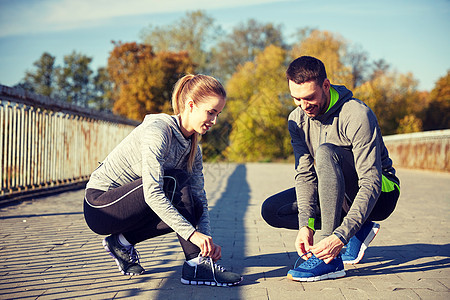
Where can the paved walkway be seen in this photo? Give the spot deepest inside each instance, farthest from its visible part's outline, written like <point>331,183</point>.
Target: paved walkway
<point>47,251</point>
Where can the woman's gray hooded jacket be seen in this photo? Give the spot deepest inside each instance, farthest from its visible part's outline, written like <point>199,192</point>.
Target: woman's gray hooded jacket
<point>157,144</point>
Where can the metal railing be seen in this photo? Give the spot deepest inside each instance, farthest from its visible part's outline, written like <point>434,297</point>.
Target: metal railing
<point>47,144</point>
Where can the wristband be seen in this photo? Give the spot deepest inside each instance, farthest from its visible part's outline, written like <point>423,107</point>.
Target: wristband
<point>341,238</point>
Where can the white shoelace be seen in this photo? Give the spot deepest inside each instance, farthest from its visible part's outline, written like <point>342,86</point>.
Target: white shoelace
<point>133,253</point>
<point>213,265</point>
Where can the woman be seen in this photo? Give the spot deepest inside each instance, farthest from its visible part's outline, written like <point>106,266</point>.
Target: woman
<point>152,184</point>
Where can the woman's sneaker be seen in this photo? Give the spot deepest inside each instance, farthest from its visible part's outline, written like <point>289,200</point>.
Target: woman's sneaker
<point>127,258</point>
<point>358,244</point>
<point>315,269</point>
<point>206,272</point>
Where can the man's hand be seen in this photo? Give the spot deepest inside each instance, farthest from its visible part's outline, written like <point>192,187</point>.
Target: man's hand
<point>304,241</point>
<point>328,248</point>
<point>206,245</point>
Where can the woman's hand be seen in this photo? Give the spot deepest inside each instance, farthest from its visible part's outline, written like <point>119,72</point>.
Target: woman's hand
<point>206,245</point>
<point>328,248</point>
<point>304,241</point>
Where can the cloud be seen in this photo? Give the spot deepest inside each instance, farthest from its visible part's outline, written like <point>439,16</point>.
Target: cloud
<point>34,16</point>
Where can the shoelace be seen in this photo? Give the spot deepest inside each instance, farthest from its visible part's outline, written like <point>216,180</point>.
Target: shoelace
<point>132,253</point>
<point>214,266</point>
<point>307,262</point>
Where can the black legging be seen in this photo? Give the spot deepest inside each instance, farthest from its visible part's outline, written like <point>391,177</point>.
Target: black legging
<point>337,180</point>
<point>281,211</point>
<point>124,210</point>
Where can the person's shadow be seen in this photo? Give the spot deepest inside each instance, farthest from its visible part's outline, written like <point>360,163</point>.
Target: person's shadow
<point>399,259</point>
<point>382,260</point>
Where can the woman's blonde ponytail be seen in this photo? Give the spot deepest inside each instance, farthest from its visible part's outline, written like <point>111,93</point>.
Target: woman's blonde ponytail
<point>198,88</point>
<point>176,98</point>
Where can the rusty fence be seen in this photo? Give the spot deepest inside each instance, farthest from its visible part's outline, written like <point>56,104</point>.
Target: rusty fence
<point>48,145</point>
<point>428,150</point>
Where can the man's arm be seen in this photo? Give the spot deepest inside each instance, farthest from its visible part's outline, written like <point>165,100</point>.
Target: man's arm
<point>305,178</point>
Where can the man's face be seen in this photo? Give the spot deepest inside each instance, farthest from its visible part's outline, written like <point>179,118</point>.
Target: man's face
<point>312,98</point>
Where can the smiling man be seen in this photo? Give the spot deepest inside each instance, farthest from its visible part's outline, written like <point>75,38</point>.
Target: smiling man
<point>344,177</point>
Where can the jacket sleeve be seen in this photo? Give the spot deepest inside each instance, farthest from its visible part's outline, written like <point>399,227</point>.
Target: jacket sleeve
<point>305,178</point>
<point>155,145</point>
<point>198,192</point>
<point>363,132</point>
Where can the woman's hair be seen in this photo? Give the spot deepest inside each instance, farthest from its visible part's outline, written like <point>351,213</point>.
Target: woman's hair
<point>198,88</point>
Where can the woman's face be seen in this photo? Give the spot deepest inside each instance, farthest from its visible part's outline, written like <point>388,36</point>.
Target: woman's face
<point>203,115</point>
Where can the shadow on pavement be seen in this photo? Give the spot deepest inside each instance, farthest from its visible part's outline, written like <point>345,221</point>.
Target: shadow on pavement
<point>227,222</point>
<point>397,259</point>
<point>382,259</point>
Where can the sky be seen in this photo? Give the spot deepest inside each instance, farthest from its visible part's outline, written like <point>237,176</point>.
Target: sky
<point>411,35</point>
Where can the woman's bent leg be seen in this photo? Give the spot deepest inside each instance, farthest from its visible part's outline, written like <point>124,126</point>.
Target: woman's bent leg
<point>124,211</point>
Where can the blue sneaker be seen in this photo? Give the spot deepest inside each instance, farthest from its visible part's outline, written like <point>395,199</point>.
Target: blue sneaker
<point>315,269</point>
<point>359,243</point>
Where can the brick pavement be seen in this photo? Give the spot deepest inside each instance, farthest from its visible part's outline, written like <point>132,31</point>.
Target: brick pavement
<point>47,251</point>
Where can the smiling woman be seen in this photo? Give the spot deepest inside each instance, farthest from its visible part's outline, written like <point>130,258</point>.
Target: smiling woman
<point>198,109</point>
<point>152,184</point>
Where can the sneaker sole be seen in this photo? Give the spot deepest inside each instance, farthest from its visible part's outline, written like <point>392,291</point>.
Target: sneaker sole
<point>117,262</point>
<point>373,232</point>
<point>332,275</point>
<point>210,283</point>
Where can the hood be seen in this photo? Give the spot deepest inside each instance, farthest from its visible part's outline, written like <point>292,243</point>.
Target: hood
<point>344,95</point>
<point>173,122</point>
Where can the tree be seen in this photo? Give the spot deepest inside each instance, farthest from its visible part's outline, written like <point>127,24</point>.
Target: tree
<point>331,49</point>
<point>142,80</point>
<point>379,67</point>
<point>395,101</point>
<point>102,91</point>
<point>409,123</point>
<point>259,105</point>
<point>358,60</point>
<point>193,34</point>
<point>73,79</point>
<point>243,44</point>
<point>437,114</point>
<point>41,80</point>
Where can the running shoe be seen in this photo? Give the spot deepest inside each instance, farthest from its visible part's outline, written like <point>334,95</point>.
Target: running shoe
<point>315,269</point>
<point>127,258</point>
<point>358,244</point>
<point>207,272</point>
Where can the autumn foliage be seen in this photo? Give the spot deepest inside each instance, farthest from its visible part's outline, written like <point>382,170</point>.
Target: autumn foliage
<point>143,80</point>
<point>250,61</point>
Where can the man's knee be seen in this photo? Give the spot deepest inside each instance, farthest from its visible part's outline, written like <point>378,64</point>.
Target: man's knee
<point>326,151</point>
<point>268,209</point>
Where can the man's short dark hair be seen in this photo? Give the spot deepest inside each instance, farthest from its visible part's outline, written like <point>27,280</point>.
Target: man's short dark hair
<point>306,68</point>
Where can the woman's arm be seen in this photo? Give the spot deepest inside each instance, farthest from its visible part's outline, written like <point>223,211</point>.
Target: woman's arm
<point>154,148</point>
<point>198,191</point>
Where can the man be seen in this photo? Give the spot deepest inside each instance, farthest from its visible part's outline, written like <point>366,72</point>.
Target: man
<point>344,177</point>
